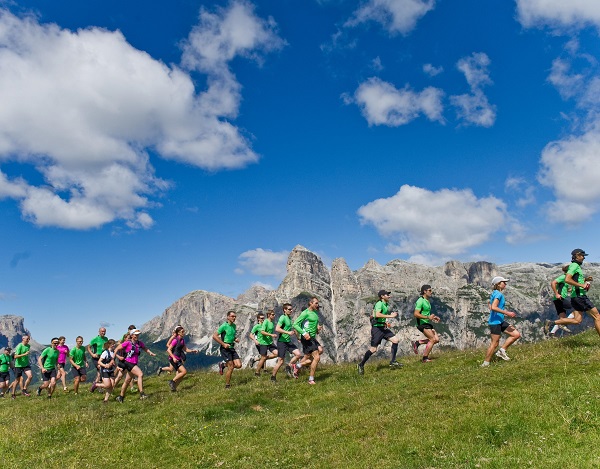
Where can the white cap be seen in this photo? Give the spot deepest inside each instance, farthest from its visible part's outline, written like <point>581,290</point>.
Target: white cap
<point>135,332</point>
<point>496,280</point>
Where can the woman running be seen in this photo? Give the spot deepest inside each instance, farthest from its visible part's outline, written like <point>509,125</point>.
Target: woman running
<point>129,352</point>
<point>424,317</point>
<point>107,368</point>
<point>63,353</point>
<point>177,350</point>
<point>497,323</point>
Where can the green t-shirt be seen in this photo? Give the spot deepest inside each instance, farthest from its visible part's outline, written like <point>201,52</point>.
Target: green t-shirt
<point>22,362</point>
<point>424,308</point>
<point>577,274</point>
<point>380,307</point>
<point>49,358</point>
<point>97,344</point>
<point>77,354</point>
<point>4,362</point>
<point>286,324</point>
<point>561,287</point>
<point>227,332</point>
<point>308,321</point>
<point>268,327</point>
<point>255,330</point>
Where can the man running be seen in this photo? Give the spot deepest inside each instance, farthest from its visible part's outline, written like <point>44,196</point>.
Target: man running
<point>579,299</point>
<point>265,338</point>
<point>225,337</point>
<point>78,364</point>
<point>307,326</point>
<point>424,318</point>
<point>380,331</point>
<point>23,373</point>
<point>5,360</point>
<point>95,348</point>
<point>562,302</point>
<point>260,317</point>
<point>47,362</point>
<point>285,344</point>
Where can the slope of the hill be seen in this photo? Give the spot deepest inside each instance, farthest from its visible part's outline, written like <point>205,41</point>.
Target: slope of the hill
<point>541,409</point>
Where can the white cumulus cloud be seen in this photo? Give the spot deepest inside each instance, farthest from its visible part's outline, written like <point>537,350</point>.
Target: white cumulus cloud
<point>264,262</point>
<point>559,13</point>
<point>396,16</point>
<point>435,223</point>
<point>84,107</point>
<point>381,103</point>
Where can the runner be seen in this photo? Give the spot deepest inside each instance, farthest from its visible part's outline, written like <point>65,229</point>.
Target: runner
<point>497,323</point>
<point>47,362</point>
<point>5,361</point>
<point>380,331</point>
<point>121,364</point>
<point>285,344</point>
<point>129,352</point>
<point>78,364</point>
<point>424,317</point>
<point>63,353</point>
<point>265,337</point>
<point>260,317</point>
<point>177,350</point>
<point>307,326</point>
<point>22,367</point>
<point>107,368</point>
<point>225,337</point>
<point>562,302</point>
<point>168,369</point>
<point>579,299</point>
<point>95,348</point>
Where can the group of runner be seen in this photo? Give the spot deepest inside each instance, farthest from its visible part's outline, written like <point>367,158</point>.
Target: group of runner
<point>115,360</point>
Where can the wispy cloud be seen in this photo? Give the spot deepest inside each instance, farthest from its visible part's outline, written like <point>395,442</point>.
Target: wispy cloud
<point>395,16</point>
<point>559,13</point>
<point>264,262</point>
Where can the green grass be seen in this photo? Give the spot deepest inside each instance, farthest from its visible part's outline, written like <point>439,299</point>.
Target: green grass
<point>541,409</point>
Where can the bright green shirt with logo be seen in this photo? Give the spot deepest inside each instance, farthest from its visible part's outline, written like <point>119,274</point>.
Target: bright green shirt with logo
<point>4,362</point>
<point>307,322</point>
<point>380,307</point>
<point>424,307</point>
<point>268,327</point>
<point>577,275</point>
<point>284,323</point>
<point>22,362</point>
<point>77,354</point>
<point>49,358</point>
<point>97,344</point>
<point>561,286</point>
<point>227,332</point>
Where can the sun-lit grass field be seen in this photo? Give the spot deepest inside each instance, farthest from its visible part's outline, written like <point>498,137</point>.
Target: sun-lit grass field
<point>541,410</point>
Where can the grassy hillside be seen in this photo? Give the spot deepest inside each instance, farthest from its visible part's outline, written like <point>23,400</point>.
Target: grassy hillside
<point>541,409</point>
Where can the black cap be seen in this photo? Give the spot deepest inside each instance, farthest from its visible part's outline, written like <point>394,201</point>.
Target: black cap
<point>383,292</point>
<point>574,252</point>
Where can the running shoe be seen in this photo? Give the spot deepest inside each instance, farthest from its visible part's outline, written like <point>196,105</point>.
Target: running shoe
<point>502,354</point>
<point>396,364</point>
<point>13,396</point>
<point>484,364</point>
<point>251,362</point>
<point>25,393</point>
<point>273,379</point>
<point>295,371</point>
<point>94,386</point>
<point>49,397</point>
<point>415,346</point>
<point>159,371</point>
<point>288,370</point>
<point>228,386</point>
<point>564,328</point>
<point>547,325</point>
<point>143,396</point>
<point>257,374</point>
<point>173,386</point>
<point>39,391</point>
<point>65,390</point>
<point>1,394</point>
<point>426,360</point>
<point>361,369</point>
<point>221,367</point>
<point>120,399</point>
<point>311,381</point>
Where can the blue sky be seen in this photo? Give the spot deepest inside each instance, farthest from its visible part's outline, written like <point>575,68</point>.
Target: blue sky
<point>148,149</point>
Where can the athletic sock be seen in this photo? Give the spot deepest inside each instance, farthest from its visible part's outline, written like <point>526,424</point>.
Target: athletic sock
<point>554,329</point>
<point>366,357</point>
<point>571,316</point>
<point>394,351</point>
